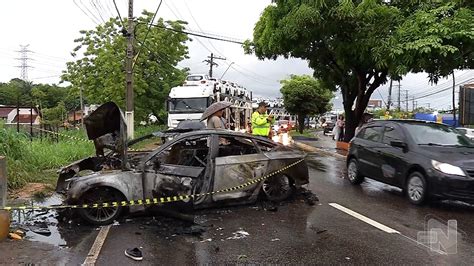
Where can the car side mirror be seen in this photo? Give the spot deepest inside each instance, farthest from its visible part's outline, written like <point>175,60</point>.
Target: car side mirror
<point>399,144</point>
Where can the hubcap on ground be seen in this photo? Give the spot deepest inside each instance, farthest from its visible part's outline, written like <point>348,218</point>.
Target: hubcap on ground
<point>415,188</point>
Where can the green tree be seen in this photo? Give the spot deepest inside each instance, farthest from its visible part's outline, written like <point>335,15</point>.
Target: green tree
<point>358,44</point>
<point>304,95</point>
<point>100,71</point>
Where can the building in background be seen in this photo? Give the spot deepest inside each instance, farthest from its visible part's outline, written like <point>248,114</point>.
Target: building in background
<point>374,104</point>
<point>22,115</point>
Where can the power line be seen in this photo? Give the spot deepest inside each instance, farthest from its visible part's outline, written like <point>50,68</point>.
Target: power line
<point>85,13</point>
<point>146,34</point>
<point>90,12</point>
<point>444,89</point>
<point>118,12</point>
<point>98,10</point>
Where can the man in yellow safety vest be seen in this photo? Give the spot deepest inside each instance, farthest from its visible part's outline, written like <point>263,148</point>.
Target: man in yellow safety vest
<point>261,121</point>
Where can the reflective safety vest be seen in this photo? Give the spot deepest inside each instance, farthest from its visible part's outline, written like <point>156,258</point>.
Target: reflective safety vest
<point>260,124</point>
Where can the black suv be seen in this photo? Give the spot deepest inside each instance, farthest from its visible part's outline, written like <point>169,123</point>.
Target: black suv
<point>425,159</point>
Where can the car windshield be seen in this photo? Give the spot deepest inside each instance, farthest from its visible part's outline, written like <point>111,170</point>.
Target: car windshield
<point>437,135</point>
<point>194,78</point>
<point>188,104</point>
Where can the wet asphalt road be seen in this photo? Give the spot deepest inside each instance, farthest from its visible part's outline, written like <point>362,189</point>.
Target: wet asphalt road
<point>296,233</point>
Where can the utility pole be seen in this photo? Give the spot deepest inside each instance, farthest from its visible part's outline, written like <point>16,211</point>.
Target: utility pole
<point>406,100</point>
<point>389,101</point>
<point>454,100</point>
<point>211,62</point>
<point>399,96</point>
<point>82,107</point>
<point>129,73</point>
<point>413,103</point>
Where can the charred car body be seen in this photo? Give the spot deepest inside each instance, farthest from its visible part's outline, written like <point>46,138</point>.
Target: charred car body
<point>197,162</point>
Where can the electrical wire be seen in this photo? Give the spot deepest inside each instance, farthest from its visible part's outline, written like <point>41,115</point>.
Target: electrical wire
<point>85,13</point>
<point>89,11</point>
<point>98,10</point>
<point>146,34</point>
<point>118,12</point>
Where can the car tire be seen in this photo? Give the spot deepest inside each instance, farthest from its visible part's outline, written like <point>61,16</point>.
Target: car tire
<point>416,188</point>
<point>353,173</point>
<point>277,188</point>
<point>100,215</point>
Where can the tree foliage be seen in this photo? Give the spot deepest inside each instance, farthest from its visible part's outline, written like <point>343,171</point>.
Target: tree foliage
<point>43,95</point>
<point>304,95</point>
<point>358,45</point>
<point>101,73</point>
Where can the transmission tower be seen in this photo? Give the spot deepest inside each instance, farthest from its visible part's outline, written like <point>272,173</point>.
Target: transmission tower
<point>24,61</point>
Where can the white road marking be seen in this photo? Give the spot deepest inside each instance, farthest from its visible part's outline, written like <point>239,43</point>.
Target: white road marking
<point>364,219</point>
<point>97,246</point>
<point>381,226</point>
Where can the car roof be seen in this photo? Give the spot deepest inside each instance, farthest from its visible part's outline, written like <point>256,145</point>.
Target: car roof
<point>403,121</point>
<point>221,132</point>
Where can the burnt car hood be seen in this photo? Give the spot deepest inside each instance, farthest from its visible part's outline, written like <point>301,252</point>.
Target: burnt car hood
<point>107,120</point>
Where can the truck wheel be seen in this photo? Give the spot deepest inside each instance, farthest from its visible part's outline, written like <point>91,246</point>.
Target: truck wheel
<point>101,215</point>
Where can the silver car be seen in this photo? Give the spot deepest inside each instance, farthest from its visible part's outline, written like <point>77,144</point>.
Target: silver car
<point>197,163</point>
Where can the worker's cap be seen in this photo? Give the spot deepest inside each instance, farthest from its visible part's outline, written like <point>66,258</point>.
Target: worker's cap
<point>263,103</point>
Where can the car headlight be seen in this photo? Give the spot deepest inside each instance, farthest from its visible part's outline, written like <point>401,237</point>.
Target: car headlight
<point>447,168</point>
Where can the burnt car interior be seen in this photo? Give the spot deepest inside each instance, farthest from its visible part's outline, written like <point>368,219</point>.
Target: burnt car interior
<point>231,146</point>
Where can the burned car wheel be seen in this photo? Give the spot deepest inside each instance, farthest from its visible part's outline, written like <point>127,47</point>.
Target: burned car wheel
<point>277,188</point>
<point>101,215</point>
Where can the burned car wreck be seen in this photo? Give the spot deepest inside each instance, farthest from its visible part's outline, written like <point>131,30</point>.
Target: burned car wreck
<point>197,162</point>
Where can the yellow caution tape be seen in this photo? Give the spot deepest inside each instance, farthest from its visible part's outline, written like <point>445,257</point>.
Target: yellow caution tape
<point>152,201</point>
<point>72,137</point>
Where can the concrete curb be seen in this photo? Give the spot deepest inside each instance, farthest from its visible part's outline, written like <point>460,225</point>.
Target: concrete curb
<point>309,148</point>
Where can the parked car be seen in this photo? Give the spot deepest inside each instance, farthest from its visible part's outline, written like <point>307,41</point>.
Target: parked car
<point>328,127</point>
<point>198,80</point>
<point>196,162</point>
<point>427,160</point>
<point>469,132</point>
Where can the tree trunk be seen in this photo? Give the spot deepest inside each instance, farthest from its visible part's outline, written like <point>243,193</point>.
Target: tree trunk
<point>301,118</point>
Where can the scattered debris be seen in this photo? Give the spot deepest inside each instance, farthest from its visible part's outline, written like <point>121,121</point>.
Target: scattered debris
<point>275,239</point>
<point>307,196</point>
<point>321,231</point>
<point>269,206</point>
<point>20,233</point>
<point>14,236</point>
<point>40,229</point>
<point>347,258</point>
<point>242,257</point>
<point>134,254</point>
<point>206,240</point>
<point>116,223</point>
<point>238,235</point>
<point>192,230</point>
<point>217,249</point>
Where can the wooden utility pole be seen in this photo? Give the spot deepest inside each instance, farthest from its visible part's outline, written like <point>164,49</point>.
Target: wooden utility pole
<point>389,102</point>
<point>129,73</point>
<point>406,99</point>
<point>211,62</point>
<point>82,107</point>
<point>454,100</point>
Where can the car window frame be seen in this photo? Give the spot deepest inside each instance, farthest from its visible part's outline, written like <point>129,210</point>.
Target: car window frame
<point>381,126</point>
<point>400,130</point>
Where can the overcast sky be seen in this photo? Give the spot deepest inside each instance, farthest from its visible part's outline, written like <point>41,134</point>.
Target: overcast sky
<point>50,26</point>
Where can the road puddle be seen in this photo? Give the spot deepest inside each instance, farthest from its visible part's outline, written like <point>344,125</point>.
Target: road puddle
<point>47,226</point>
